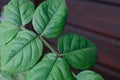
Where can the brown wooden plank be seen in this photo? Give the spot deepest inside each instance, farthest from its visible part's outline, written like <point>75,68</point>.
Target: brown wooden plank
<point>109,59</point>
<point>106,72</point>
<point>111,1</point>
<point>96,17</point>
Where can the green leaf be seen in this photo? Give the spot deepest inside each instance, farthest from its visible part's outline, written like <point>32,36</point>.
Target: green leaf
<point>6,76</point>
<point>21,53</point>
<point>50,68</point>
<point>7,32</point>
<point>19,12</point>
<point>89,75</point>
<point>21,76</point>
<point>79,52</point>
<point>50,17</point>
<point>1,48</point>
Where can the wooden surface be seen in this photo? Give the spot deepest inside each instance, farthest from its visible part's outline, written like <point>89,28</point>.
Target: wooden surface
<point>99,21</point>
<point>109,1</point>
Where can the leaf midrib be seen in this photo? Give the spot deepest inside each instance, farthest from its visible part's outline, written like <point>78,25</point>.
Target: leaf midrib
<point>66,53</point>
<point>20,12</point>
<point>50,21</point>
<point>52,68</point>
<point>20,50</point>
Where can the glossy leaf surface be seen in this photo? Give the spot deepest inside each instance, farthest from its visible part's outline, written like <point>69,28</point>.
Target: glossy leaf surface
<point>19,12</point>
<point>21,53</point>
<point>79,52</point>
<point>50,68</point>
<point>50,17</point>
<point>7,32</point>
<point>21,76</point>
<point>89,75</point>
<point>6,76</point>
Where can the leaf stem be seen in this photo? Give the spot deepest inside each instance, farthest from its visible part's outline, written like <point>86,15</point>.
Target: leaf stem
<point>22,28</point>
<point>74,75</point>
<point>49,46</point>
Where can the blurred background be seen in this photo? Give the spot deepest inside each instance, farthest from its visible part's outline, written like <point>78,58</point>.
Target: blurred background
<point>99,21</point>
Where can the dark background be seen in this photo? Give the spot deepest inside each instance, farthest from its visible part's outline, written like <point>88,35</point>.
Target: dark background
<point>98,20</point>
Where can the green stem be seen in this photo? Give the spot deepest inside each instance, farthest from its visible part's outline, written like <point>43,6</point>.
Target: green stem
<point>22,28</point>
<point>74,74</point>
<point>49,46</point>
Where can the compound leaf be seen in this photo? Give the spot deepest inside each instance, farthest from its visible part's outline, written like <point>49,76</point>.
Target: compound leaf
<point>21,53</point>
<point>19,12</point>
<point>89,75</point>
<point>50,17</point>
<point>79,52</point>
<point>7,32</point>
<point>50,68</point>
